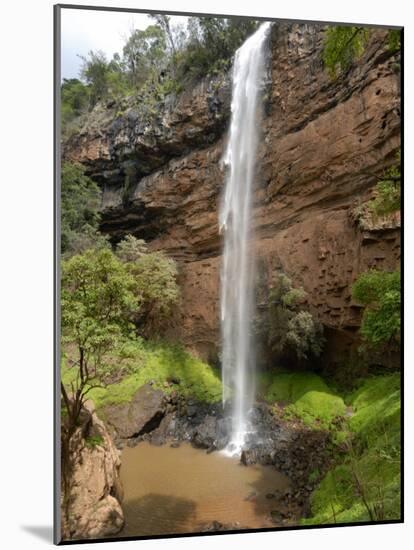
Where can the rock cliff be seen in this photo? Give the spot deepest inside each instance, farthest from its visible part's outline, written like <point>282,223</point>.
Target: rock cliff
<point>92,509</point>
<point>324,146</point>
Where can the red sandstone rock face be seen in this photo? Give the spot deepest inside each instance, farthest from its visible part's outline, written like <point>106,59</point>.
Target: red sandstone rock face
<point>325,144</point>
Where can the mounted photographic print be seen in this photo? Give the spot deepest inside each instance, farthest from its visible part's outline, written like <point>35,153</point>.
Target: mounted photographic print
<point>228,293</point>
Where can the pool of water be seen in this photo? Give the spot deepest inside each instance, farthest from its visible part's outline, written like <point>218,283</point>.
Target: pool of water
<point>181,490</point>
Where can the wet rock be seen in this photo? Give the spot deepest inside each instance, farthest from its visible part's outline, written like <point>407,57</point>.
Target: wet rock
<point>205,434</point>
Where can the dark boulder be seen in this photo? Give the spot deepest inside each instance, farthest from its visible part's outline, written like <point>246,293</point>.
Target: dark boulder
<point>140,415</point>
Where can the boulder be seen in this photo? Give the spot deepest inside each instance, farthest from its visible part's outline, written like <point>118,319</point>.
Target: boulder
<point>140,415</point>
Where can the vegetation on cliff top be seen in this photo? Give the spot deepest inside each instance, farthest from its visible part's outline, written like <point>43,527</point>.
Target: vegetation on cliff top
<point>155,62</point>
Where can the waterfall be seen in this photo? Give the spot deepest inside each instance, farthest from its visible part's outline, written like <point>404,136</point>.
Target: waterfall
<point>237,304</point>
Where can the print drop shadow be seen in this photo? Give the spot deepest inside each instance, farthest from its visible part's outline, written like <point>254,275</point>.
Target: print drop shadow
<point>42,532</point>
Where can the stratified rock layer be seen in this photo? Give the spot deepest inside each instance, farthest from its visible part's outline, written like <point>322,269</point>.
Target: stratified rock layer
<point>324,146</point>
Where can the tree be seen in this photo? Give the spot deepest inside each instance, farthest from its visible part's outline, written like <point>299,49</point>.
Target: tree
<point>163,22</point>
<point>212,41</point>
<point>95,72</point>
<point>144,54</point>
<point>80,202</point>
<point>97,303</point>
<point>380,293</point>
<point>155,279</point>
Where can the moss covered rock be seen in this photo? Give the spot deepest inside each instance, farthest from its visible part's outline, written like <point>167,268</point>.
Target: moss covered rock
<point>307,397</point>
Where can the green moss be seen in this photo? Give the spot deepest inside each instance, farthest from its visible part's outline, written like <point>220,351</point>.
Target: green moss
<point>308,398</point>
<point>168,367</point>
<point>371,466</point>
<point>377,410</point>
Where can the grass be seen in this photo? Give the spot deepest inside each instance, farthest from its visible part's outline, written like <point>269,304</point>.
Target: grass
<point>307,397</point>
<point>166,366</point>
<point>365,484</point>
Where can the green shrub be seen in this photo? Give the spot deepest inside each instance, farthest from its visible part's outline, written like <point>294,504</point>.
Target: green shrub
<point>388,191</point>
<point>342,45</point>
<point>380,293</point>
<point>285,325</point>
<point>74,99</point>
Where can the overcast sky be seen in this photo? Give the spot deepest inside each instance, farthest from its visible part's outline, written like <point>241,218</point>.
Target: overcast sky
<point>85,30</point>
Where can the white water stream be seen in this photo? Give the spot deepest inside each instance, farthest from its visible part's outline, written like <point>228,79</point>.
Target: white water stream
<point>237,303</point>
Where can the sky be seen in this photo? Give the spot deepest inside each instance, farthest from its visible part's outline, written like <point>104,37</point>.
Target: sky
<point>85,30</point>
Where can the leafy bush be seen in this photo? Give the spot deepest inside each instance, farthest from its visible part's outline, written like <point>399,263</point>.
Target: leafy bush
<point>380,293</point>
<point>286,325</point>
<point>80,201</point>
<point>388,191</point>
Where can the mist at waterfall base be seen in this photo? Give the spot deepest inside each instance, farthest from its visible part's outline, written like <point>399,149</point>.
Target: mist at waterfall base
<point>238,264</point>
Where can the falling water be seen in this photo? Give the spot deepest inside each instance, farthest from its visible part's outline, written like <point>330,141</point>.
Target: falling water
<point>235,223</point>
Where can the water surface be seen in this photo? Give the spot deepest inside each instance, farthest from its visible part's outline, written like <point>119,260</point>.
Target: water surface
<point>182,490</point>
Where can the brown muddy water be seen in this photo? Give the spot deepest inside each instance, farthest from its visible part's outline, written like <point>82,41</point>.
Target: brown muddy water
<point>183,490</point>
